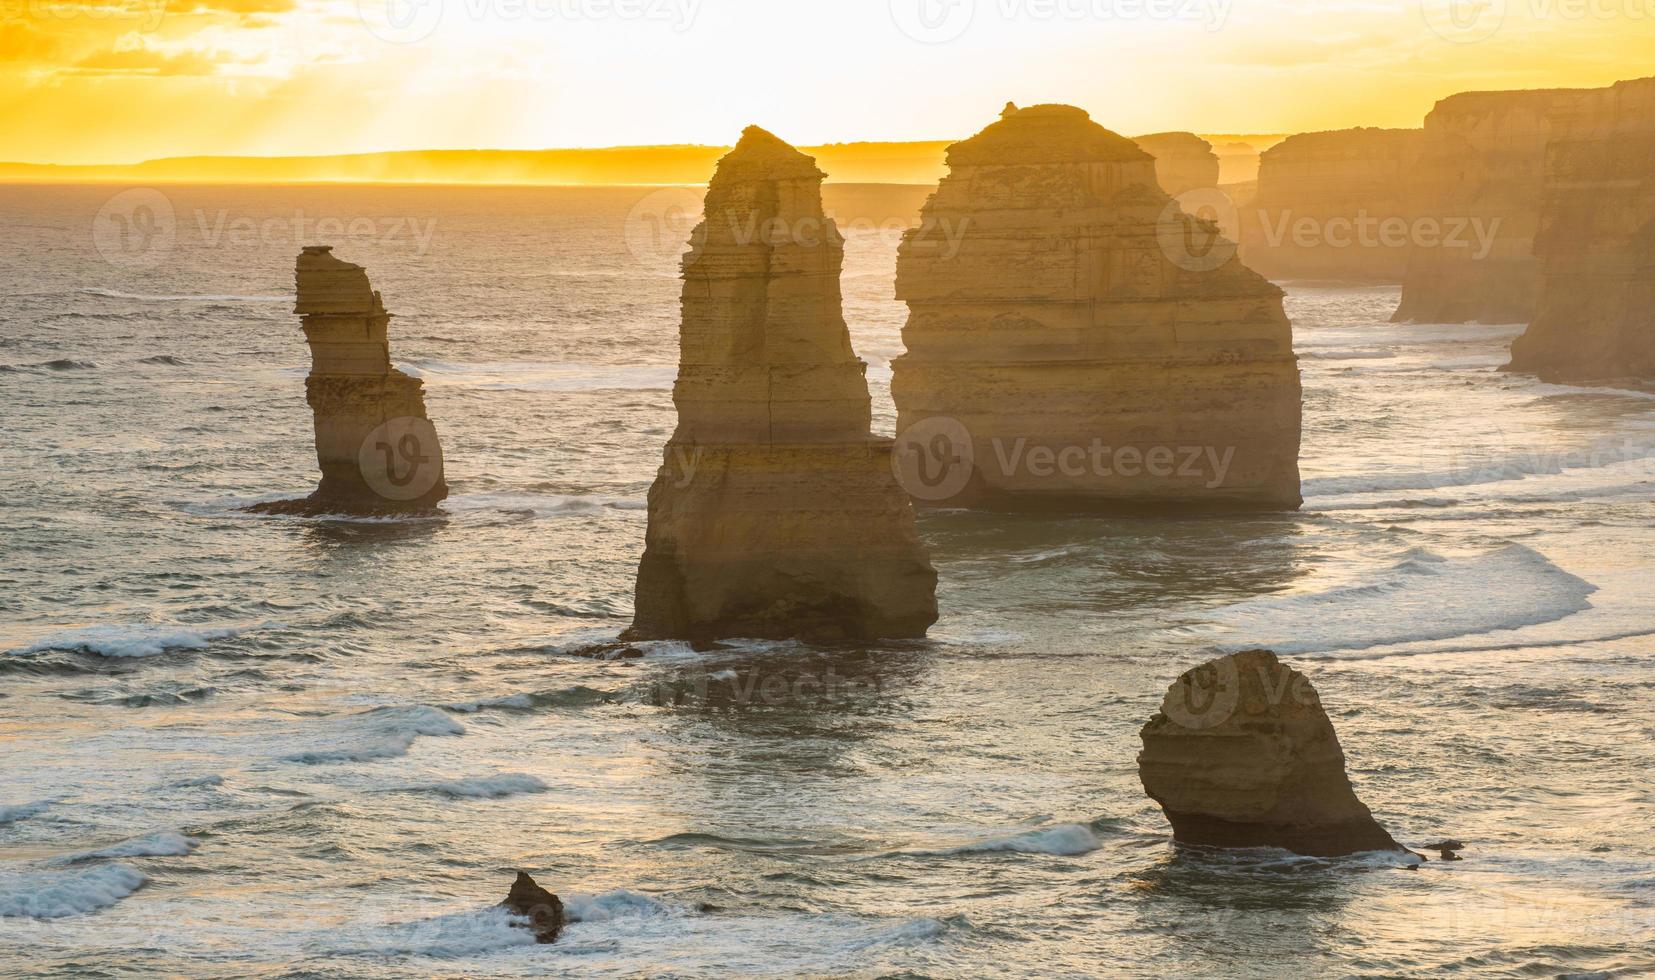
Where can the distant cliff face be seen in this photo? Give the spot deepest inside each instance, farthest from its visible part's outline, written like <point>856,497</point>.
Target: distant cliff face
<point>775,513</point>
<point>377,450</point>
<point>1479,169</point>
<point>1183,161</point>
<point>1333,205</point>
<point>1596,242</point>
<point>1076,342</point>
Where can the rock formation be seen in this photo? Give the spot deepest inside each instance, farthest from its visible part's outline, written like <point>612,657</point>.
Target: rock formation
<point>1479,176</point>
<point>1596,315</point>
<point>1241,754</point>
<point>1332,205</point>
<point>378,451</point>
<point>1183,161</point>
<point>776,514</point>
<point>1076,342</point>
<point>543,909</point>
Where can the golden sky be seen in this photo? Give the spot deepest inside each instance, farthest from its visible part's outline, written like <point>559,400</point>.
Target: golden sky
<point>109,81</point>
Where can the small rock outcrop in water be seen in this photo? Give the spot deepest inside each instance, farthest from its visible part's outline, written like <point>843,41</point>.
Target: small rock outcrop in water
<point>1076,342</point>
<point>378,451</point>
<point>1241,754</point>
<point>1478,176</point>
<point>1596,243</point>
<point>1183,161</point>
<point>775,514</point>
<point>543,909</point>
<point>1333,205</point>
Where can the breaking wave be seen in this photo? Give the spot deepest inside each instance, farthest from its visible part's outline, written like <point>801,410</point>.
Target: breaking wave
<point>135,639</point>
<point>60,894</point>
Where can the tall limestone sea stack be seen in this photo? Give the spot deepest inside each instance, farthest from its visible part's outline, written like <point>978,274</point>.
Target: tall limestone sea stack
<point>1183,161</point>
<point>377,450</point>
<point>776,514</point>
<point>1478,175</point>
<point>1596,243</point>
<point>1241,754</point>
<point>1332,205</point>
<point>1075,342</point>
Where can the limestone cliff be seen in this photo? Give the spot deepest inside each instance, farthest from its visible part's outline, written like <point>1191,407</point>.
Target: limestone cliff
<point>1183,161</point>
<point>1241,754</point>
<point>776,514</point>
<point>1332,205</point>
<point>1479,175</point>
<point>1596,244</point>
<point>1076,342</point>
<point>377,450</point>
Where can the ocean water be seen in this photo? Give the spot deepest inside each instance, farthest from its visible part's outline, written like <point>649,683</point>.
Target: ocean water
<point>274,747</point>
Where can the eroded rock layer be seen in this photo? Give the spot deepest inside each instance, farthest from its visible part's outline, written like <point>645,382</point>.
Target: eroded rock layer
<point>1595,319</point>
<point>1478,176</point>
<point>1183,161</point>
<point>377,450</point>
<point>1241,754</point>
<point>1333,205</point>
<point>1076,342</point>
<point>776,514</point>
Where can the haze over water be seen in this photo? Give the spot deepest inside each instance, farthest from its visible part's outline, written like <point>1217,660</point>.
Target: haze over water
<point>239,746</point>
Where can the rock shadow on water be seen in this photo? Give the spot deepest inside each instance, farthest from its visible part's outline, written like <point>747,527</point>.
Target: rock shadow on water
<point>1124,561</point>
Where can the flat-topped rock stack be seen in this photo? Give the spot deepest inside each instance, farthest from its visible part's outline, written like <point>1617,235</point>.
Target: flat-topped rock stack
<point>1183,161</point>
<point>776,513</point>
<point>1596,244</point>
<point>1242,754</point>
<point>1323,204</point>
<point>1478,175</point>
<point>377,450</point>
<point>1081,344</point>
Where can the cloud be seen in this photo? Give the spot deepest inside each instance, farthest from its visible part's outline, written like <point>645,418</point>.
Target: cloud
<point>147,61</point>
<point>242,7</point>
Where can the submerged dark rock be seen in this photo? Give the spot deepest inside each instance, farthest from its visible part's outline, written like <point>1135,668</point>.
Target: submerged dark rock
<point>543,909</point>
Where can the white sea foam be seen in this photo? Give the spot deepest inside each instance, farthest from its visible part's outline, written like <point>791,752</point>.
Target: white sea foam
<point>616,904</point>
<point>1325,491</point>
<point>1068,840</point>
<point>1423,597</point>
<point>487,787</point>
<point>543,504</point>
<point>456,935</point>
<point>382,733</point>
<point>59,894</point>
<point>210,298</point>
<point>135,639</point>
<point>163,844</point>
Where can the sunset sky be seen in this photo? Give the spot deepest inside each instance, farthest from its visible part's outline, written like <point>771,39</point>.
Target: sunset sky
<point>108,81</point>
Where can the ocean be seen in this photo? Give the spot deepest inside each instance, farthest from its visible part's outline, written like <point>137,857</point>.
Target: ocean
<point>239,746</point>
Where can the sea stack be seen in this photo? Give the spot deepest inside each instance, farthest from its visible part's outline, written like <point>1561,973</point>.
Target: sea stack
<point>1333,205</point>
<point>544,910</point>
<point>1596,244</point>
<point>776,514</point>
<point>377,450</point>
<point>1241,754</point>
<point>1478,176</point>
<point>1075,342</point>
<point>1183,161</point>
